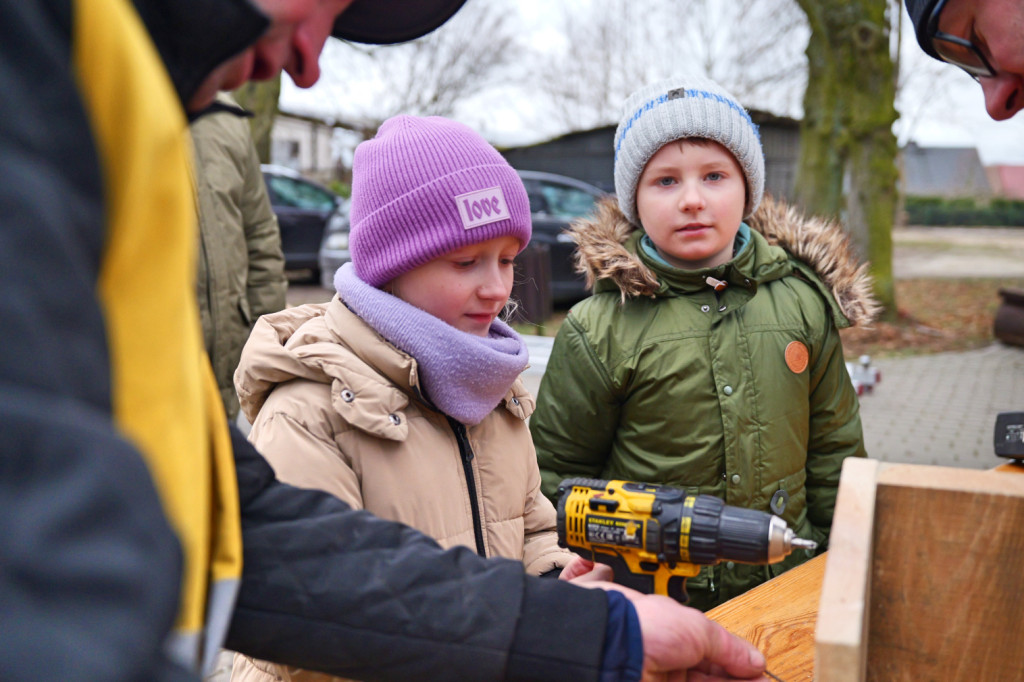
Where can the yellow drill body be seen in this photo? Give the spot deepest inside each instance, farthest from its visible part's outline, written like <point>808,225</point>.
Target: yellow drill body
<point>654,537</point>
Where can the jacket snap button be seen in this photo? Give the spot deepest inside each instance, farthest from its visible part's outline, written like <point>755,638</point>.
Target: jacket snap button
<point>721,308</point>
<point>730,565</point>
<point>727,390</point>
<point>395,419</point>
<point>779,501</point>
<point>705,308</point>
<point>736,478</point>
<point>515,401</point>
<point>348,396</point>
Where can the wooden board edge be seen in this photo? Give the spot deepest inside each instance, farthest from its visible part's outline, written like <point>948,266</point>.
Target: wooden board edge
<point>840,637</point>
<point>991,482</point>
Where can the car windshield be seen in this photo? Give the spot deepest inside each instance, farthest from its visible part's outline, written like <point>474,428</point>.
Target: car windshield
<point>566,202</point>
<point>299,194</point>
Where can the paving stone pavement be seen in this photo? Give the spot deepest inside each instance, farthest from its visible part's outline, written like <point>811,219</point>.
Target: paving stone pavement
<point>941,409</point>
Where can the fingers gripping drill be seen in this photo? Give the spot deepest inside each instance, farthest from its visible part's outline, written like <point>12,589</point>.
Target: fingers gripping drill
<point>654,537</point>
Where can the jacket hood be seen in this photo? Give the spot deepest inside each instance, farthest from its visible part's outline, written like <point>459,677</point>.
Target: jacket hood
<point>818,246</point>
<point>298,343</point>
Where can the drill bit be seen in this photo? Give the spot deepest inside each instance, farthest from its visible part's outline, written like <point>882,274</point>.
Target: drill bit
<point>803,544</point>
<point>773,676</point>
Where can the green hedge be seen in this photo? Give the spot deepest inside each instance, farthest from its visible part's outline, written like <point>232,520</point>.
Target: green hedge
<point>966,212</point>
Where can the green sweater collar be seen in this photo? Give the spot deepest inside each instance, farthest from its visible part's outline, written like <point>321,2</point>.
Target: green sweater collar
<point>754,261</point>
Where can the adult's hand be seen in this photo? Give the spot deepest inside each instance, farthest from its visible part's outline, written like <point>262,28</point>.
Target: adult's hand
<point>681,643</point>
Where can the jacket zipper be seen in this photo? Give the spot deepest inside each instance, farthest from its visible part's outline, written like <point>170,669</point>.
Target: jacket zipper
<point>467,466</point>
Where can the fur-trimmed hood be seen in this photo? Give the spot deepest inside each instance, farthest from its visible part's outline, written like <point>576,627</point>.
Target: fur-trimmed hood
<point>602,254</point>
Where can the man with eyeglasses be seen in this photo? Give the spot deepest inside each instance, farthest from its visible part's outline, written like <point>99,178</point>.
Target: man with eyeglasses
<point>985,38</point>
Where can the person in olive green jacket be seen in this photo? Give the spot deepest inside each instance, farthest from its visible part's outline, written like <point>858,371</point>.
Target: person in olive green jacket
<point>708,356</point>
<point>241,267</point>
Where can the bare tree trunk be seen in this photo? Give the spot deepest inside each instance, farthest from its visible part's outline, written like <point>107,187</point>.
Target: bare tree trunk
<point>261,99</point>
<point>848,152</point>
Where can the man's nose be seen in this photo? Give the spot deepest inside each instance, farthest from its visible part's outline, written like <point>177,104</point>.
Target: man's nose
<point>303,63</point>
<point>1004,95</point>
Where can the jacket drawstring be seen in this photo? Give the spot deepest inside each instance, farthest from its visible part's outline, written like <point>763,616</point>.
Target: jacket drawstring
<point>716,284</point>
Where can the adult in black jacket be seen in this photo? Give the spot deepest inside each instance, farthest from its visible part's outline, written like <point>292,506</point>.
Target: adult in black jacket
<point>127,505</point>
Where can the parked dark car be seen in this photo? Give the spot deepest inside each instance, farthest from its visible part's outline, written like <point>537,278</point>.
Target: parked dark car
<point>304,209</point>
<point>334,248</point>
<point>555,200</point>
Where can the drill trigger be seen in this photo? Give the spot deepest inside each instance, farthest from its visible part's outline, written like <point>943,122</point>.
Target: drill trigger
<point>677,589</point>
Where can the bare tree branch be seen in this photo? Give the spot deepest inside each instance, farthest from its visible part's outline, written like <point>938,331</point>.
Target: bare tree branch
<point>754,48</point>
<point>431,76</point>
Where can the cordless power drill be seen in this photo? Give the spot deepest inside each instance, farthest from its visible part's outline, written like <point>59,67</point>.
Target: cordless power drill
<point>654,536</point>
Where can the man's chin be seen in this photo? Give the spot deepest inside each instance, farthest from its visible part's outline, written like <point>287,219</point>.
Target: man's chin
<point>230,75</point>
<point>200,100</point>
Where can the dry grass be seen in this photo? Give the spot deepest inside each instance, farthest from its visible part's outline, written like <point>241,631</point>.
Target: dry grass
<point>935,315</point>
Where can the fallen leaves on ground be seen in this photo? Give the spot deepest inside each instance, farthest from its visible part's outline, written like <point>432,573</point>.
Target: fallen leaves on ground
<point>934,316</point>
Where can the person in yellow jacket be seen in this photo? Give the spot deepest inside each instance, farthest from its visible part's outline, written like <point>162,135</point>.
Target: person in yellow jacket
<point>137,532</point>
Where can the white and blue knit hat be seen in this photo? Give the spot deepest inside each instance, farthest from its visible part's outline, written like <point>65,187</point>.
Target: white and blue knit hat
<point>680,107</point>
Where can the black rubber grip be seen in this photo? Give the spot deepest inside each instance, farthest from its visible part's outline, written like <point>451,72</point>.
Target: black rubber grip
<point>560,514</point>
<point>722,533</point>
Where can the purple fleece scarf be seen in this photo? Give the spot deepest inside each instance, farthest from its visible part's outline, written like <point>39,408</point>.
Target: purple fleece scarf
<point>464,375</point>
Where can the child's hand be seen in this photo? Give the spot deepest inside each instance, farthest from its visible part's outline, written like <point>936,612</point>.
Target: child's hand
<point>581,570</point>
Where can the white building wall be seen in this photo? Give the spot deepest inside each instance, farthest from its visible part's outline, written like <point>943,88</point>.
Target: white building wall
<point>302,145</point>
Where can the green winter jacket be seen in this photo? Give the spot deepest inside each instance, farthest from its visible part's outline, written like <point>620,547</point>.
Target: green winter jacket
<point>739,393</point>
<point>241,267</point>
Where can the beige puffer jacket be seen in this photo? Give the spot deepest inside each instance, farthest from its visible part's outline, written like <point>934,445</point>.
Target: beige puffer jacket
<point>335,407</point>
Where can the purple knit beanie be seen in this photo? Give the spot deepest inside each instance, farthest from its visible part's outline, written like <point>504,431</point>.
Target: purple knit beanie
<point>423,187</point>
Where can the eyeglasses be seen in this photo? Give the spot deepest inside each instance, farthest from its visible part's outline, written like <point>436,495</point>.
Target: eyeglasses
<point>956,50</point>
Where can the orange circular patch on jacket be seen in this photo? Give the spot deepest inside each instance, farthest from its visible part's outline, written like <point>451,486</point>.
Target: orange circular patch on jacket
<point>796,357</point>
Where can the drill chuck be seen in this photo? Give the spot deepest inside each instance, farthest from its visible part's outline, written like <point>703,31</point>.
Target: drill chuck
<point>720,532</point>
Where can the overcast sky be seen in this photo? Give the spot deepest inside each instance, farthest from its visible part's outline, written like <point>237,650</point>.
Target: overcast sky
<point>967,125</point>
<point>940,105</point>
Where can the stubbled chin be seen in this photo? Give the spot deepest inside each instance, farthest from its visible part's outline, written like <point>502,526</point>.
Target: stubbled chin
<point>228,76</point>
<point>239,71</point>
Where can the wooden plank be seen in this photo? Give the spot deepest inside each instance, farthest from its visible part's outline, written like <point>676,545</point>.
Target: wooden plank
<point>779,617</point>
<point>992,481</point>
<point>841,635</point>
<point>946,601</point>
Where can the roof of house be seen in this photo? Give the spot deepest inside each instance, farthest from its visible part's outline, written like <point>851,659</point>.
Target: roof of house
<point>1007,181</point>
<point>944,171</point>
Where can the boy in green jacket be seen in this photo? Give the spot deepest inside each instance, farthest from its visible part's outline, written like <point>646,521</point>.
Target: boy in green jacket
<point>709,356</point>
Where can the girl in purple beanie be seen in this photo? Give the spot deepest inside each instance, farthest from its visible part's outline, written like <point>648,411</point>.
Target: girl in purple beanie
<point>402,395</point>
